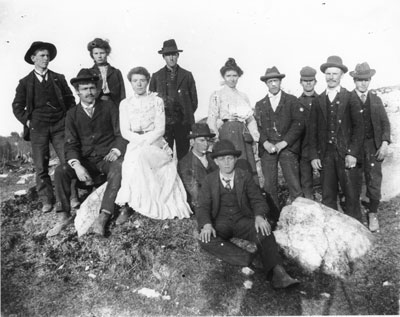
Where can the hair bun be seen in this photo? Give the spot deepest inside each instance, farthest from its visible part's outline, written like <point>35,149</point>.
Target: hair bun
<point>231,62</point>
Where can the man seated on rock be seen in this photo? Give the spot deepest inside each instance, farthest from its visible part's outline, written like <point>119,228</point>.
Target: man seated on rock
<point>231,205</point>
<point>195,165</point>
<point>93,146</point>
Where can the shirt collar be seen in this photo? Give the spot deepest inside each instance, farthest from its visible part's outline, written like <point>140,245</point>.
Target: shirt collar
<point>359,93</point>
<point>331,90</point>
<point>312,96</point>
<point>221,177</point>
<point>87,106</point>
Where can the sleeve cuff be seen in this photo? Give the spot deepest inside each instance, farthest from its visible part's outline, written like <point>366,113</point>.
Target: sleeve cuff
<point>118,152</point>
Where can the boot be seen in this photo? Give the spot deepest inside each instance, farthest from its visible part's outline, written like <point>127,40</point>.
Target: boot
<point>99,226</point>
<point>64,218</point>
<point>281,279</point>
<point>124,215</point>
<point>373,223</point>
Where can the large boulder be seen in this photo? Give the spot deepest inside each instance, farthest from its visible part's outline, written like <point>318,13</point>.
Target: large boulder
<point>318,237</point>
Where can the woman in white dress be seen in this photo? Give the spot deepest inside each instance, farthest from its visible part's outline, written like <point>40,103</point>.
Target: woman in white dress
<point>230,116</point>
<point>150,182</point>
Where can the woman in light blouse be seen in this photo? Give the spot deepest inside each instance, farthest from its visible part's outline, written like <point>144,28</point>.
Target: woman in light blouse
<point>150,182</point>
<point>230,116</point>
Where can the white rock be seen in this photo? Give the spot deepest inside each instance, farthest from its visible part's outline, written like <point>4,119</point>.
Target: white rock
<point>387,283</point>
<point>248,284</point>
<point>3,175</point>
<point>148,292</point>
<point>20,192</point>
<point>247,271</point>
<point>326,295</point>
<point>166,297</point>
<point>316,236</point>
<point>91,275</point>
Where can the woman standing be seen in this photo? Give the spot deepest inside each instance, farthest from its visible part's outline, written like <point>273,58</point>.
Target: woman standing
<point>230,116</point>
<point>150,182</point>
<point>111,84</point>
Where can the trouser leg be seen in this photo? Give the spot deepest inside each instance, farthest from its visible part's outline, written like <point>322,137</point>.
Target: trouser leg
<point>290,170</point>
<point>181,131</point>
<point>372,171</point>
<point>306,178</point>
<point>269,165</point>
<point>114,175</point>
<point>41,155</point>
<point>64,174</point>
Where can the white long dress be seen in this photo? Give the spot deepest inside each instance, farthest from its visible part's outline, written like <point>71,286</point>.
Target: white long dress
<point>150,182</point>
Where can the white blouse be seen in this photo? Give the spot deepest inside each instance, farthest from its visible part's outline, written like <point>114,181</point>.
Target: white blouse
<point>142,113</point>
<point>231,104</point>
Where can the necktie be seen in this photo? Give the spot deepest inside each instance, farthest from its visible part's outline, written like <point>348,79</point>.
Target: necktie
<point>228,184</point>
<point>363,98</point>
<point>90,111</point>
<point>43,77</point>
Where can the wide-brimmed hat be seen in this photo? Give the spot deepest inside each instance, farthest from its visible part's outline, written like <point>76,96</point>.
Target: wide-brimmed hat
<point>272,72</point>
<point>40,45</point>
<point>224,147</point>
<point>169,47</point>
<point>333,61</point>
<point>85,75</point>
<point>200,130</point>
<point>307,73</point>
<point>363,71</point>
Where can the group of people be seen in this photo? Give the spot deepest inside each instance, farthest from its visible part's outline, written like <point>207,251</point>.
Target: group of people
<point>129,143</point>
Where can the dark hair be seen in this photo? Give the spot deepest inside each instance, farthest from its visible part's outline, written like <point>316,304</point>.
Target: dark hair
<point>99,43</point>
<point>138,70</point>
<point>84,82</point>
<point>231,65</point>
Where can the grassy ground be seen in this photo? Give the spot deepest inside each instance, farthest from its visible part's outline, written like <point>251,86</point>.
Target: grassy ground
<point>90,276</point>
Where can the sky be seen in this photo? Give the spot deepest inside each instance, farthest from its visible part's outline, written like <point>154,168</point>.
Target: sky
<point>288,34</point>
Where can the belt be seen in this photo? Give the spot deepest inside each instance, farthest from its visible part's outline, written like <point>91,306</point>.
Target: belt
<point>141,132</point>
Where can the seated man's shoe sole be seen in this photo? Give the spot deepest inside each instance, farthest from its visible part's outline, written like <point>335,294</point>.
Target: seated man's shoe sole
<point>285,283</point>
<point>61,225</point>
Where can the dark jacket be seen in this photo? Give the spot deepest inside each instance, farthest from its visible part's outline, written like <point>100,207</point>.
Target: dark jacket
<point>289,123</point>
<point>305,144</point>
<point>379,119</point>
<point>193,173</point>
<point>23,103</point>
<point>115,83</point>
<point>349,127</point>
<point>92,138</point>
<point>251,201</point>
<point>186,86</point>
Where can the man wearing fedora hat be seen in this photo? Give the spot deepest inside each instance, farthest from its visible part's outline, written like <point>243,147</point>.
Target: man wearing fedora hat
<point>231,205</point>
<point>377,138</point>
<point>280,123</point>
<point>336,138</point>
<point>195,165</point>
<point>41,101</point>
<point>93,146</point>
<point>308,82</point>
<point>177,88</point>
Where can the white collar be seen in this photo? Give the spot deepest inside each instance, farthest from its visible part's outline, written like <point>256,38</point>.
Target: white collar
<point>278,95</point>
<point>232,178</point>
<point>359,93</point>
<point>87,106</point>
<point>332,90</point>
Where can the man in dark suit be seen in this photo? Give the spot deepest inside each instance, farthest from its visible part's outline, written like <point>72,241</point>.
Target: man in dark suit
<point>93,146</point>
<point>280,123</point>
<point>377,138</point>
<point>177,88</point>
<point>336,139</point>
<point>231,205</point>
<point>41,101</point>
<point>308,82</point>
<point>195,165</point>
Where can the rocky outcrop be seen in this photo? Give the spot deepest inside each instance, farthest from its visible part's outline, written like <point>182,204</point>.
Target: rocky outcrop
<point>318,237</point>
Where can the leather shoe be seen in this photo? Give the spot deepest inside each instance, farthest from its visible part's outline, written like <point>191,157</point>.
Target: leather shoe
<point>281,279</point>
<point>123,215</point>
<point>373,223</point>
<point>99,226</point>
<point>47,208</point>
<point>75,203</point>
<point>64,219</point>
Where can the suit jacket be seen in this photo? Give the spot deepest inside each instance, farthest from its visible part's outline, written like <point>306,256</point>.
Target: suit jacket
<point>23,103</point>
<point>115,83</point>
<point>250,199</point>
<point>289,124</point>
<point>93,138</point>
<point>349,126</point>
<point>193,173</point>
<point>305,146</point>
<point>187,94</point>
<point>379,118</point>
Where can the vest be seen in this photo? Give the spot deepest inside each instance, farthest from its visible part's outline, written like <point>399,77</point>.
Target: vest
<point>173,110</point>
<point>332,110</point>
<point>229,205</point>
<point>46,105</point>
<point>368,128</point>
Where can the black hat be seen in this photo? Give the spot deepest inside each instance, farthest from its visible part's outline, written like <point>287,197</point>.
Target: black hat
<point>272,72</point>
<point>169,47</point>
<point>85,75</point>
<point>307,73</point>
<point>200,130</point>
<point>224,147</point>
<point>333,61</point>
<point>40,45</point>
